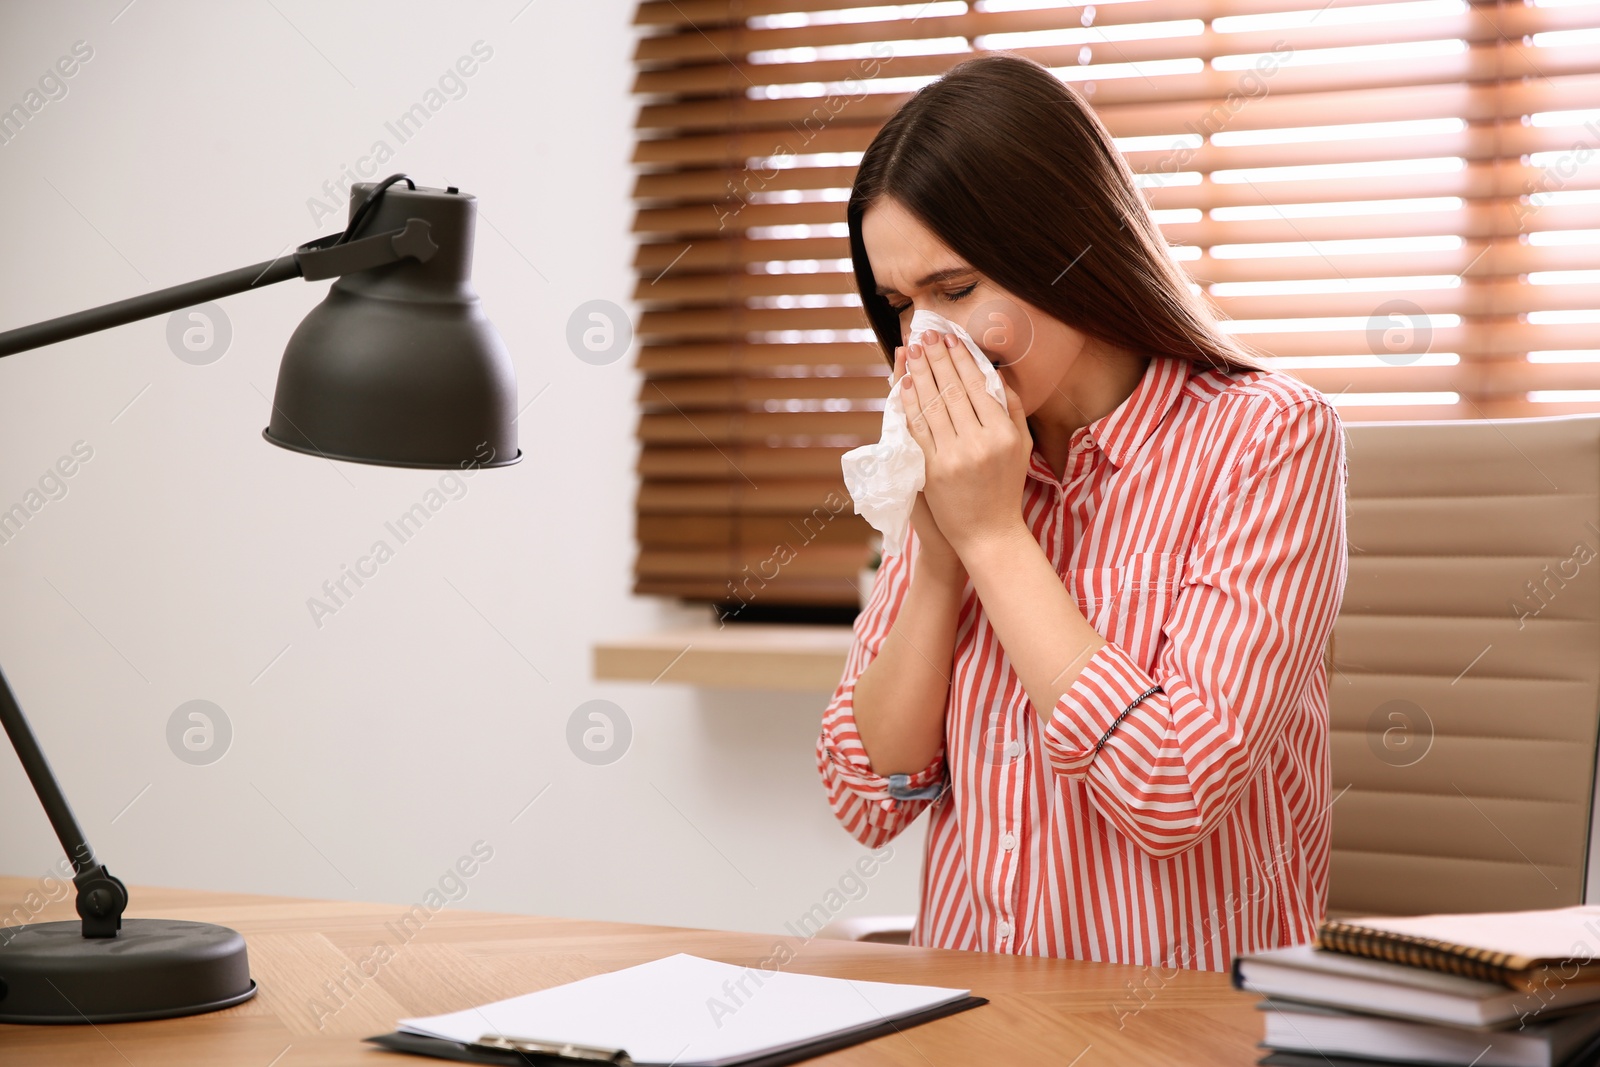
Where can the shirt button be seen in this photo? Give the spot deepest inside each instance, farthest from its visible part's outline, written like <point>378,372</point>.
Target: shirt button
<point>887,804</point>
<point>1004,930</point>
<point>1008,842</point>
<point>1013,749</point>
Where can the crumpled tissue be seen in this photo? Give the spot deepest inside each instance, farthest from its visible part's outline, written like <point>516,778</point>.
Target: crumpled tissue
<point>884,478</point>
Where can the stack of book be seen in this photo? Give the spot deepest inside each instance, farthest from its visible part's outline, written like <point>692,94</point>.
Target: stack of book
<point>1511,989</point>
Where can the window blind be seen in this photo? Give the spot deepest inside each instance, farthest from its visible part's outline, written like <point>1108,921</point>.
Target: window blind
<point>1397,202</point>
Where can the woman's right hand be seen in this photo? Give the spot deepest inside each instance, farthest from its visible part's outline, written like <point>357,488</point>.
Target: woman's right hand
<point>936,553</point>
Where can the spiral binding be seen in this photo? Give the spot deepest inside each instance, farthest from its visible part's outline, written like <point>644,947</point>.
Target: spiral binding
<point>1485,965</point>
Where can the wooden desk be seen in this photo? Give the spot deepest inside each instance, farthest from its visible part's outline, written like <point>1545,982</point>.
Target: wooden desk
<point>1041,1011</point>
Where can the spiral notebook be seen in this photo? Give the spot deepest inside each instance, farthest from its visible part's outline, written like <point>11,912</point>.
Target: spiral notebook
<point>681,1010</point>
<point>1517,949</point>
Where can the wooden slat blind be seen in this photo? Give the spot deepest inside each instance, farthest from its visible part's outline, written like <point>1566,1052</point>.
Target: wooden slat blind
<point>1398,202</point>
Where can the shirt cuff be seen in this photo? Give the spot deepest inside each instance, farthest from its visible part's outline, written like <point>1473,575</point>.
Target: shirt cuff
<point>1091,710</point>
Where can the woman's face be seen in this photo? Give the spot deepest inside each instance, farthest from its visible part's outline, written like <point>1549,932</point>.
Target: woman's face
<point>915,271</point>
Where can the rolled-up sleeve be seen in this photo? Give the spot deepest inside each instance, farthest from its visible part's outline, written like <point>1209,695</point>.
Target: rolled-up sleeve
<point>857,794</point>
<point>1249,620</point>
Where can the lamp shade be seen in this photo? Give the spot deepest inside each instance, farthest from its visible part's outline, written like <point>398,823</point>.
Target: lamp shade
<point>399,365</point>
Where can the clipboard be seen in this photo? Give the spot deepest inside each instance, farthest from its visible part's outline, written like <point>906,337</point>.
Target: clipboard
<point>498,1054</point>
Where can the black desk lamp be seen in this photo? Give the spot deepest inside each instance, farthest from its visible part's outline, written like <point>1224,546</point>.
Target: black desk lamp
<point>397,366</point>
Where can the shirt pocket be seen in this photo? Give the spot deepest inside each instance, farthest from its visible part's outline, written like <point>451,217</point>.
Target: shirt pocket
<point>1130,604</point>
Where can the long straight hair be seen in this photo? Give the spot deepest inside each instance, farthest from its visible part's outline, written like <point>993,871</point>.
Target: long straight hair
<point>1010,168</point>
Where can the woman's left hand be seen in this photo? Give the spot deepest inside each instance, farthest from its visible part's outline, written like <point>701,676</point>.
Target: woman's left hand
<point>976,452</point>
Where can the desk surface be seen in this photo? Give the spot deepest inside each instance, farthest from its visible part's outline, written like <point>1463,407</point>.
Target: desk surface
<point>323,989</point>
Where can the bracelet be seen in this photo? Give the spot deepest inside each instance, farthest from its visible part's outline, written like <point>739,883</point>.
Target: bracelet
<point>1140,699</point>
<point>900,789</point>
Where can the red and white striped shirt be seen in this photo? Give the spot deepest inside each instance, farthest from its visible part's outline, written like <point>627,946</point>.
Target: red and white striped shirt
<point>1201,527</point>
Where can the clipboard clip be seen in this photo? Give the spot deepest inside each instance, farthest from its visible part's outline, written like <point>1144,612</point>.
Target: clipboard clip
<point>559,1049</point>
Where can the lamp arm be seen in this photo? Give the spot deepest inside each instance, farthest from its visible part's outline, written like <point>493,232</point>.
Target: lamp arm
<point>319,259</point>
<point>101,896</point>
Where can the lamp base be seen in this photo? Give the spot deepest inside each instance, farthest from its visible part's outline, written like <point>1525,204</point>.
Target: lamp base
<point>152,969</point>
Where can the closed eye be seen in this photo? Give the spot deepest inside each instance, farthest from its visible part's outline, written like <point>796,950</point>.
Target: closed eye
<point>954,295</point>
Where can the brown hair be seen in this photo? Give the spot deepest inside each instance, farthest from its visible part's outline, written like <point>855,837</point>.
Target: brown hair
<point>1010,168</point>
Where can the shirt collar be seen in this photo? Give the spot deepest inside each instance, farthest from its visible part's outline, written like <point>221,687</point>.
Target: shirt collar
<point>1121,432</point>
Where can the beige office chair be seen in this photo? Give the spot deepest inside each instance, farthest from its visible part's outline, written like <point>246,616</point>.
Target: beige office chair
<point>1465,668</point>
<point>883,929</point>
<point>1464,685</point>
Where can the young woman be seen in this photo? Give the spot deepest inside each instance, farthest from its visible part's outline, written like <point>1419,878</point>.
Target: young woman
<point>1098,664</point>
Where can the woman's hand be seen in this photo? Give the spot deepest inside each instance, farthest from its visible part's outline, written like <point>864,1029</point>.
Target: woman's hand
<point>936,551</point>
<point>976,451</point>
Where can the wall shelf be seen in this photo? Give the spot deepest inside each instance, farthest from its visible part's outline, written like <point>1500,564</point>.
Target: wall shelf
<point>797,658</point>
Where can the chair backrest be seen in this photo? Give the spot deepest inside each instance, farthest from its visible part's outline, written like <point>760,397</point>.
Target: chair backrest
<point>1464,669</point>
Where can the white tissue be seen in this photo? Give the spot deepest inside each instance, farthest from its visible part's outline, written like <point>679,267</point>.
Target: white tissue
<point>885,478</point>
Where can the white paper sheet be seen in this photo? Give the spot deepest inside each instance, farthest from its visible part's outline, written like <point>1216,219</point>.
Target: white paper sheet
<point>689,1011</point>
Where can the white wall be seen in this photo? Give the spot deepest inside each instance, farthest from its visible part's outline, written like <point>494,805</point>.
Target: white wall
<point>424,715</point>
